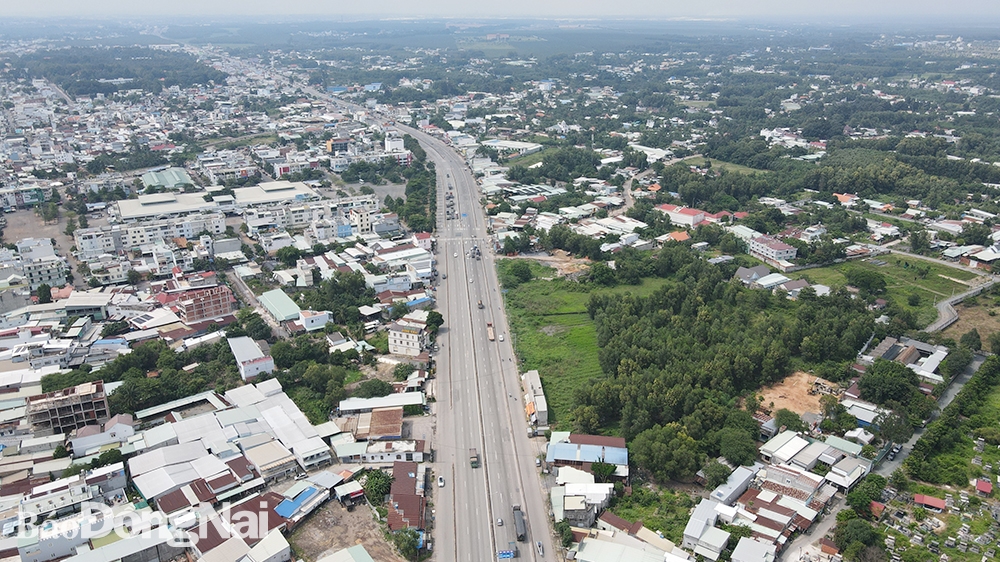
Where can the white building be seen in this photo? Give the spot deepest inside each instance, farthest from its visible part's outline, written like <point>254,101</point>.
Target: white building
<point>771,248</point>
<point>249,358</point>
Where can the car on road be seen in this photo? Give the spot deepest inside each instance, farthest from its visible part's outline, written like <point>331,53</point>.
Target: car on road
<point>455,255</point>
<point>501,337</point>
<point>444,276</point>
<point>538,462</point>
<point>440,481</point>
<point>541,549</point>
<point>499,522</point>
<point>470,279</point>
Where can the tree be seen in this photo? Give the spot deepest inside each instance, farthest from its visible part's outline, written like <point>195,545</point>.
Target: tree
<point>715,473</point>
<point>402,371</point>
<point>865,279</point>
<point>852,531</point>
<point>994,341</point>
<point>373,388</point>
<point>60,452</point>
<point>898,480</point>
<point>601,274</point>
<point>919,241</point>
<point>377,485</point>
<point>894,427</point>
<point>434,322</point>
<point>520,270</point>
<point>44,293</point>
<point>288,255</point>
<point>971,340</point>
<point>667,452</point>
<point>789,419</point>
<point>134,277</point>
<point>888,380</point>
<point>565,532</point>
<point>407,543</point>
<point>602,471</point>
<point>737,446</point>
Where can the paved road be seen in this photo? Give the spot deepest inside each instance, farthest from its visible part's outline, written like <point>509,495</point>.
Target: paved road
<point>479,394</point>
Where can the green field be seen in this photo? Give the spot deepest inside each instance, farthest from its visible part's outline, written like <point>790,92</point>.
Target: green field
<point>554,334</point>
<point>532,159</point>
<point>696,103</point>
<point>720,165</point>
<point>902,280</point>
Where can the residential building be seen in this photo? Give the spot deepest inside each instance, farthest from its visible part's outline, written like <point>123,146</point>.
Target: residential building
<point>250,360</point>
<point>682,216</point>
<point>701,536</point>
<point>770,248</point>
<point>118,429</point>
<point>407,338</point>
<point>48,270</point>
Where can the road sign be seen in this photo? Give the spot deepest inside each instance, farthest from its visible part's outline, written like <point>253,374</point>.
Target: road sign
<point>505,555</point>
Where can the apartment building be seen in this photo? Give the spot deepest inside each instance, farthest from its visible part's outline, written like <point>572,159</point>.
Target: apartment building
<point>71,408</point>
<point>407,338</point>
<point>93,242</point>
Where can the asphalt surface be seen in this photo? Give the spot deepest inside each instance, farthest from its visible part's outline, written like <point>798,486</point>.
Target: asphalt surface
<point>479,398</point>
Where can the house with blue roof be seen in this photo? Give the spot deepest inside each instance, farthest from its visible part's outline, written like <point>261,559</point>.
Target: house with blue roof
<point>581,451</point>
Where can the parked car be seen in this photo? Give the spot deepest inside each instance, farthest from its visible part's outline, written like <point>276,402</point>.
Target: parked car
<point>440,481</point>
<point>541,549</point>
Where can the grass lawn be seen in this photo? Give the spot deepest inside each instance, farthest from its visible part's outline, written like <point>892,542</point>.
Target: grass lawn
<point>902,280</point>
<point>554,334</point>
<point>532,159</point>
<point>719,164</point>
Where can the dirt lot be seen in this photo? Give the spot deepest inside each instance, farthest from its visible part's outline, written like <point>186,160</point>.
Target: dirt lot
<point>793,393</point>
<point>564,263</point>
<point>977,317</point>
<point>333,528</point>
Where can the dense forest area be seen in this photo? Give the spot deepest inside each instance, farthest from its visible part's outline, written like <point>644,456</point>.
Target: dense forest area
<point>89,71</point>
<point>677,362</point>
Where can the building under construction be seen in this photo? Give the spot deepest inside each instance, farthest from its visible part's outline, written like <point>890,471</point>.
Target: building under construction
<point>71,408</point>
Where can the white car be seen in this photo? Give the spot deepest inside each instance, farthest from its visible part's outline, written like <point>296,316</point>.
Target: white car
<point>470,279</point>
<point>501,337</point>
<point>455,255</point>
<point>440,481</point>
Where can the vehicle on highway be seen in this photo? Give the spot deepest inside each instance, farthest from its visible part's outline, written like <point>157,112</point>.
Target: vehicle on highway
<point>519,527</point>
<point>473,458</point>
<point>541,549</point>
<point>470,279</point>
<point>489,330</point>
<point>440,481</point>
<point>499,522</point>
<point>455,255</point>
<point>444,276</point>
<point>480,305</point>
<point>501,337</point>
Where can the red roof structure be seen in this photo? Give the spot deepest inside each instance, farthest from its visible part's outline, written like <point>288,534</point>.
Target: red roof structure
<point>929,502</point>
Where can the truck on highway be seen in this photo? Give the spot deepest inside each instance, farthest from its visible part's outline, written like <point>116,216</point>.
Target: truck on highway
<point>519,527</point>
<point>508,554</point>
<point>473,458</point>
<point>489,331</point>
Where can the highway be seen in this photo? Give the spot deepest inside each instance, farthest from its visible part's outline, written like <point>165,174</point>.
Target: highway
<point>479,398</point>
<point>479,401</point>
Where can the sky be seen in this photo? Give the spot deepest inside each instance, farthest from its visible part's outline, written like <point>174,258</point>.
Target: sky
<point>847,11</point>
